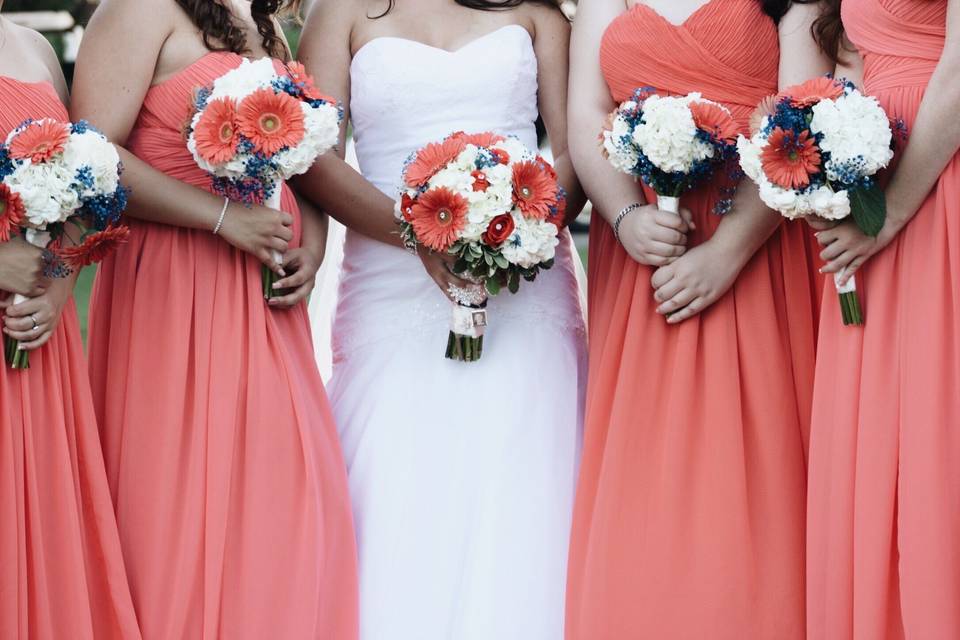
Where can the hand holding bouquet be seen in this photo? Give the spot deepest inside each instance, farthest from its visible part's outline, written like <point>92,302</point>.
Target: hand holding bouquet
<point>816,152</point>
<point>60,181</point>
<point>673,144</point>
<point>493,204</point>
<point>254,128</point>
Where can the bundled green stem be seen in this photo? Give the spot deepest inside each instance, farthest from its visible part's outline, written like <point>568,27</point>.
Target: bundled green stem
<point>464,348</point>
<point>16,357</point>
<point>850,309</point>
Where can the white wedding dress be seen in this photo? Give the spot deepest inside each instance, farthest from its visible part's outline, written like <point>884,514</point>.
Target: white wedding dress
<point>462,475</point>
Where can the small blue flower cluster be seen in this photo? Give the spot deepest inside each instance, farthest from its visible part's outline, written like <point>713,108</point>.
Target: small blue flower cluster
<point>6,165</point>
<point>105,210</point>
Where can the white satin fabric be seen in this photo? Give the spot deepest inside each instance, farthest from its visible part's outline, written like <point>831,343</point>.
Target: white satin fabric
<point>462,474</point>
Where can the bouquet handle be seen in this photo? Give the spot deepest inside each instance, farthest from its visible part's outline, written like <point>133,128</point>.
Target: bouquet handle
<point>16,357</point>
<point>670,204</point>
<point>267,275</point>
<point>850,308</point>
<point>467,325</point>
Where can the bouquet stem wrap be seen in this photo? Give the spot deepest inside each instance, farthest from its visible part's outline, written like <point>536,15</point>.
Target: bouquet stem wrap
<point>267,275</point>
<point>17,358</point>
<point>669,204</point>
<point>850,308</point>
<point>467,325</point>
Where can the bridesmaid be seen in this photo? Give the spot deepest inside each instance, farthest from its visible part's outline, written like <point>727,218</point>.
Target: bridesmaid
<point>690,512</point>
<point>61,571</point>
<point>221,452</point>
<point>884,512</point>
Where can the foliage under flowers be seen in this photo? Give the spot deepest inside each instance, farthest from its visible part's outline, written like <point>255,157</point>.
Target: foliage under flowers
<point>817,151</point>
<point>489,201</point>
<point>673,144</point>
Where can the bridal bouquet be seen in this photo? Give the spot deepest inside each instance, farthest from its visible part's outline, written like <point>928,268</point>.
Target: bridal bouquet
<point>254,128</point>
<point>60,180</point>
<point>816,151</point>
<point>492,203</point>
<point>673,144</point>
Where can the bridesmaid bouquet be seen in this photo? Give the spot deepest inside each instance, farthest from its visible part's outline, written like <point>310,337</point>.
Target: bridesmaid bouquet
<point>673,144</point>
<point>816,150</point>
<point>254,128</point>
<point>492,203</point>
<point>60,180</point>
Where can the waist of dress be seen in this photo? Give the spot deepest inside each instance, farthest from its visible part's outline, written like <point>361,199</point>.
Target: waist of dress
<point>884,73</point>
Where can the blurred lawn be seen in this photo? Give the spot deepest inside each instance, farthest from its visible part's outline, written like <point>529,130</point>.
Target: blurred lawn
<point>82,295</point>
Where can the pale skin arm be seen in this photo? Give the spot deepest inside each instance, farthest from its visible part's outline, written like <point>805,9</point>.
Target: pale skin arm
<point>303,262</point>
<point>934,142</point>
<point>109,90</point>
<point>34,321</point>
<point>705,273</point>
<point>552,46</point>
<point>649,236</point>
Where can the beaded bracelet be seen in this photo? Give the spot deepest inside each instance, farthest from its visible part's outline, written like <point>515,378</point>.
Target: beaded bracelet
<point>627,210</point>
<point>223,214</point>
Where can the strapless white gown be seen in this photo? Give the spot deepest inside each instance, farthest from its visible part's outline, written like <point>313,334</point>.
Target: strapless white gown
<point>462,474</point>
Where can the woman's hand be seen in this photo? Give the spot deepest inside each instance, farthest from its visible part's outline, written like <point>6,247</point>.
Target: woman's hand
<point>33,322</point>
<point>654,237</point>
<point>693,282</point>
<point>820,224</point>
<point>21,268</point>
<point>440,267</point>
<point>302,265</point>
<point>846,248</point>
<point>258,231</point>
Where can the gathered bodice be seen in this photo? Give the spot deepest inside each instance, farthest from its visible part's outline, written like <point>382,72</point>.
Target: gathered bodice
<point>405,94</point>
<point>728,50</point>
<point>27,100</point>
<point>900,40</point>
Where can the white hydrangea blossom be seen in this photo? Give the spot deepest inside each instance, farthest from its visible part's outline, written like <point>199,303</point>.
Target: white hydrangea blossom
<point>90,149</point>
<point>855,129</point>
<point>240,82</point>
<point>668,134</point>
<point>533,242</point>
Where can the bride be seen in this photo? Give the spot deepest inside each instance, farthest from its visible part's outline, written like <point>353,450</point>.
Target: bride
<point>462,475</point>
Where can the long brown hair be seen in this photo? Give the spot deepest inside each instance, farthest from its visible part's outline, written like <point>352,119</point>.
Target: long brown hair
<point>828,29</point>
<point>222,33</point>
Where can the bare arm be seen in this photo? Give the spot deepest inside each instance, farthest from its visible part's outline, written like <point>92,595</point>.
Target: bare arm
<point>552,46</point>
<point>705,273</point>
<point>109,90</point>
<point>332,184</point>
<point>934,142</point>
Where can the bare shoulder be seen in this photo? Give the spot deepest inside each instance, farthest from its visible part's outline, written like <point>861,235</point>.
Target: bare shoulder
<point>39,49</point>
<point>137,15</point>
<point>337,11</point>
<point>547,20</point>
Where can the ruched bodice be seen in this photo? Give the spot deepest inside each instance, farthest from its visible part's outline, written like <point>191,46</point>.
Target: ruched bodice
<point>900,40</point>
<point>731,58</point>
<point>405,94</point>
<point>25,100</point>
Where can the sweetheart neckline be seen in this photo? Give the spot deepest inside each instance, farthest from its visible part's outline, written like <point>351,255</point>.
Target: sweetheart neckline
<point>675,25</point>
<point>441,50</point>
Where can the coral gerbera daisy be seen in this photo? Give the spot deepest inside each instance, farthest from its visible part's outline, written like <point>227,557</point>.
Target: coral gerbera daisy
<point>432,158</point>
<point>298,74</point>
<point>12,211</point>
<point>766,108</point>
<point>95,247</point>
<point>438,217</point>
<point>790,159</point>
<point>813,91</point>
<point>216,133</point>
<point>485,139</point>
<point>271,121</point>
<point>40,141</point>
<point>534,190</point>
<point>714,120</point>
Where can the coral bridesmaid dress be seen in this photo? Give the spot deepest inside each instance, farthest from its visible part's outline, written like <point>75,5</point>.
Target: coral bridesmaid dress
<point>61,571</point>
<point>221,452</point>
<point>690,510</point>
<point>884,512</point>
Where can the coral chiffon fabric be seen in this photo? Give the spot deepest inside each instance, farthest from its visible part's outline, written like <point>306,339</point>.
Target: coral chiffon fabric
<point>690,511</point>
<point>230,489</point>
<point>884,545</point>
<point>61,571</point>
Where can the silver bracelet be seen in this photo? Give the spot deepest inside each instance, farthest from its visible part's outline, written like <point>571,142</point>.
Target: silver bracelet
<point>627,210</point>
<point>223,214</point>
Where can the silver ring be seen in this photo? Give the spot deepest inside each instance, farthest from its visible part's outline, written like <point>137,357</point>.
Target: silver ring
<point>467,296</point>
<point>36,325</point>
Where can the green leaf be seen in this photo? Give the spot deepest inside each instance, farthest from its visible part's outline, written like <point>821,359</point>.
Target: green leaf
<point>501,261</point>
<point>869,209</point>
<point>513,281</point>
<point>493,286</point>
